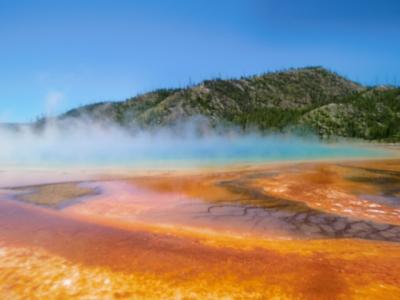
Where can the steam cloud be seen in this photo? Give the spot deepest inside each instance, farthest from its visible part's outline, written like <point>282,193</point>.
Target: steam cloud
<point>86,142</point>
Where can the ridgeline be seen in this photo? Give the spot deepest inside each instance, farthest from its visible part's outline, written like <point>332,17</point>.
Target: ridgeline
<point>310,99</point>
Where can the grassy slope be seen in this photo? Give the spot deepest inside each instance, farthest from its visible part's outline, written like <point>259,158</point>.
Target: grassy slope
<point>299,99</point>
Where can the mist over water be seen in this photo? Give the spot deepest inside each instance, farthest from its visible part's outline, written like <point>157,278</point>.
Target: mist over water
<point>81,143</point>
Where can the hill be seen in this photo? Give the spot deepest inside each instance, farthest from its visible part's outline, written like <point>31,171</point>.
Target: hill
<point>307,99</point>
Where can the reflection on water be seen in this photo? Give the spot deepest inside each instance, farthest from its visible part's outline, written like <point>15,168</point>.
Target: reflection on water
<point>295,231</point>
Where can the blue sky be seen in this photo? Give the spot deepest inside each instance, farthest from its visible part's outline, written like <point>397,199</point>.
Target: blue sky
<point>55,55</point>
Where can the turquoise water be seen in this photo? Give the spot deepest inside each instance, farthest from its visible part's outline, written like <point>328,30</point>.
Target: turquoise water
<point>214,151</point>
<point>119,149</point>
<point>251,151</point>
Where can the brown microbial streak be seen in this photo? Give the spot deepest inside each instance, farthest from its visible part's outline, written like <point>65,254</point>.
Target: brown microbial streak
<point>314,201</point>
<point>345,189</point>
<point>230,235</point>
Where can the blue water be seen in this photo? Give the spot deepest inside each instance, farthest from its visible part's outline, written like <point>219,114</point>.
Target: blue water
<point>218,151</point>
<point>146,151</point>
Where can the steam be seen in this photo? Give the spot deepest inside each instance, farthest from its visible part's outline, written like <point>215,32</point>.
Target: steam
<point>87,142</point>
<point>52,102</point>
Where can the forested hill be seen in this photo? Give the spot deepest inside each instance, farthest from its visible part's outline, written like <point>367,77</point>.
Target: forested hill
<point>307,99</point>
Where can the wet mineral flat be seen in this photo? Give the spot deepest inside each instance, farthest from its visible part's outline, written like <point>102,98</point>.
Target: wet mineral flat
<point>322,230</point>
